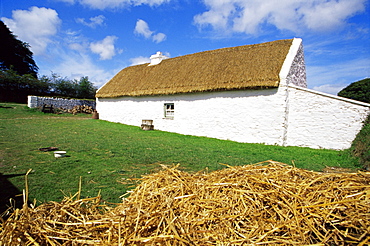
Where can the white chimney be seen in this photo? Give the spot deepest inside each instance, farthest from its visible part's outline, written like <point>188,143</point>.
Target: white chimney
<point>157,58</point>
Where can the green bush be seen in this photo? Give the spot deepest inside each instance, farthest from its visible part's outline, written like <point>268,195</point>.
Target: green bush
<point>361,145</point>
<point>359,91</point>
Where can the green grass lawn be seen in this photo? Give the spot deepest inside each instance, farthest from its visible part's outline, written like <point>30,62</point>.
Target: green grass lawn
<point>109,156</point>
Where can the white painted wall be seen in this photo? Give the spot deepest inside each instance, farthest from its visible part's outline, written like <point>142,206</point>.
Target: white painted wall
<point>32,101</point>
<point>254,116</point>
<point>311,119</point>
<point>320,120</point>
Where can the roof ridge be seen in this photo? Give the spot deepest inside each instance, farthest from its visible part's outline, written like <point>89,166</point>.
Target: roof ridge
<point>227,49</point>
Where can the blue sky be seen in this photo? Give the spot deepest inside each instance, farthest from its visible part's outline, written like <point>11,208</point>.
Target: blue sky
<point>98,38</point>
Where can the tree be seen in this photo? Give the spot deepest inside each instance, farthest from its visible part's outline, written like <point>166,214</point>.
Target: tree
<point>16,88</point>
<point>359,91</point>
<point>85,89</point>
<point>15,54</point>
<point>61,86</point>
<point>82,89</point>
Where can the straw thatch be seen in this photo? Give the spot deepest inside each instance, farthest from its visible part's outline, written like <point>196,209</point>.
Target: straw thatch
<point>259,204</point>
<point>250,66</point>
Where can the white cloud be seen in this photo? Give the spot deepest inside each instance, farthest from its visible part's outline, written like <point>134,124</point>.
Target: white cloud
<point>74,60</point>
<point>332,14</point>
<point>94,21</point>
<point>248,16</point>
<point>77,46</point>
<point>159,37</point>
<point>139,60</point>
<point>73,40</point>
<point>330,88</point>
<point>142,28</point>
<point>115,4</point>
<point>36,26</point>
<point>334,77</point>
<point>75,66</point>
<point>105,48</point>
<point>66,1</point>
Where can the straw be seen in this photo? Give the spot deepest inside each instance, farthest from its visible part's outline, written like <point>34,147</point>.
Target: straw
<point>268,203</point>
<point>242,67</point>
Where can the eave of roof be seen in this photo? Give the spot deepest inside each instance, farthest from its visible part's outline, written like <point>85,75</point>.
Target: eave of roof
<point>242,67</point>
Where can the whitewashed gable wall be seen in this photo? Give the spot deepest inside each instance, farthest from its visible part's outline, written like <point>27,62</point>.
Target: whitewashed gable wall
<point>320,120</point>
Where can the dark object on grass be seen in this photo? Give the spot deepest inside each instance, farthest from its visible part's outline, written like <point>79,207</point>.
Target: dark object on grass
<point>47,108</point>
<point>48,149</point>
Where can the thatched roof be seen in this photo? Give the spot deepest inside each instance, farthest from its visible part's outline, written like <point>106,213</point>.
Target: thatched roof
<point>242,67</point>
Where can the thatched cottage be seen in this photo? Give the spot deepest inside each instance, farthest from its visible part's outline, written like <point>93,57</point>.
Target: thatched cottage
<point>253,93</point>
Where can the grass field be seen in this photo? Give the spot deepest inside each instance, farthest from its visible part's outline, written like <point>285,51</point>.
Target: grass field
<point>109,156</point>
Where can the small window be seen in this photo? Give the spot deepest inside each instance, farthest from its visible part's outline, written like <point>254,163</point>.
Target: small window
<point>169,110</point>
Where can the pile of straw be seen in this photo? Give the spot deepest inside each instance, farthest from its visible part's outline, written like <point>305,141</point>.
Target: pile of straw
<point>265,203</point>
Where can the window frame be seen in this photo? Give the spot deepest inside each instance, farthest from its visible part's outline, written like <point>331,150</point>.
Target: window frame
<point>169,110</point>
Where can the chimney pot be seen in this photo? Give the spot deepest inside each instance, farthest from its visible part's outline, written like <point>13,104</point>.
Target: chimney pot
<point>157,58</point>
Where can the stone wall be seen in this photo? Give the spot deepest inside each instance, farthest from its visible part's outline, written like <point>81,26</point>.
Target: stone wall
<point>37,102</point>
<point>297,72</point>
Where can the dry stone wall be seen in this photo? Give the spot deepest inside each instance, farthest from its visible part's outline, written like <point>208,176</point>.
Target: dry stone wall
<point>297,72</point>
<point>67,104</point>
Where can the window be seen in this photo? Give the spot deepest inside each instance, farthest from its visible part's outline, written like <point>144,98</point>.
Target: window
<point>169,110</point>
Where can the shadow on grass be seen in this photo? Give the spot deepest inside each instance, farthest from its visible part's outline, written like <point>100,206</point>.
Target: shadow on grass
<point>9,192</point>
